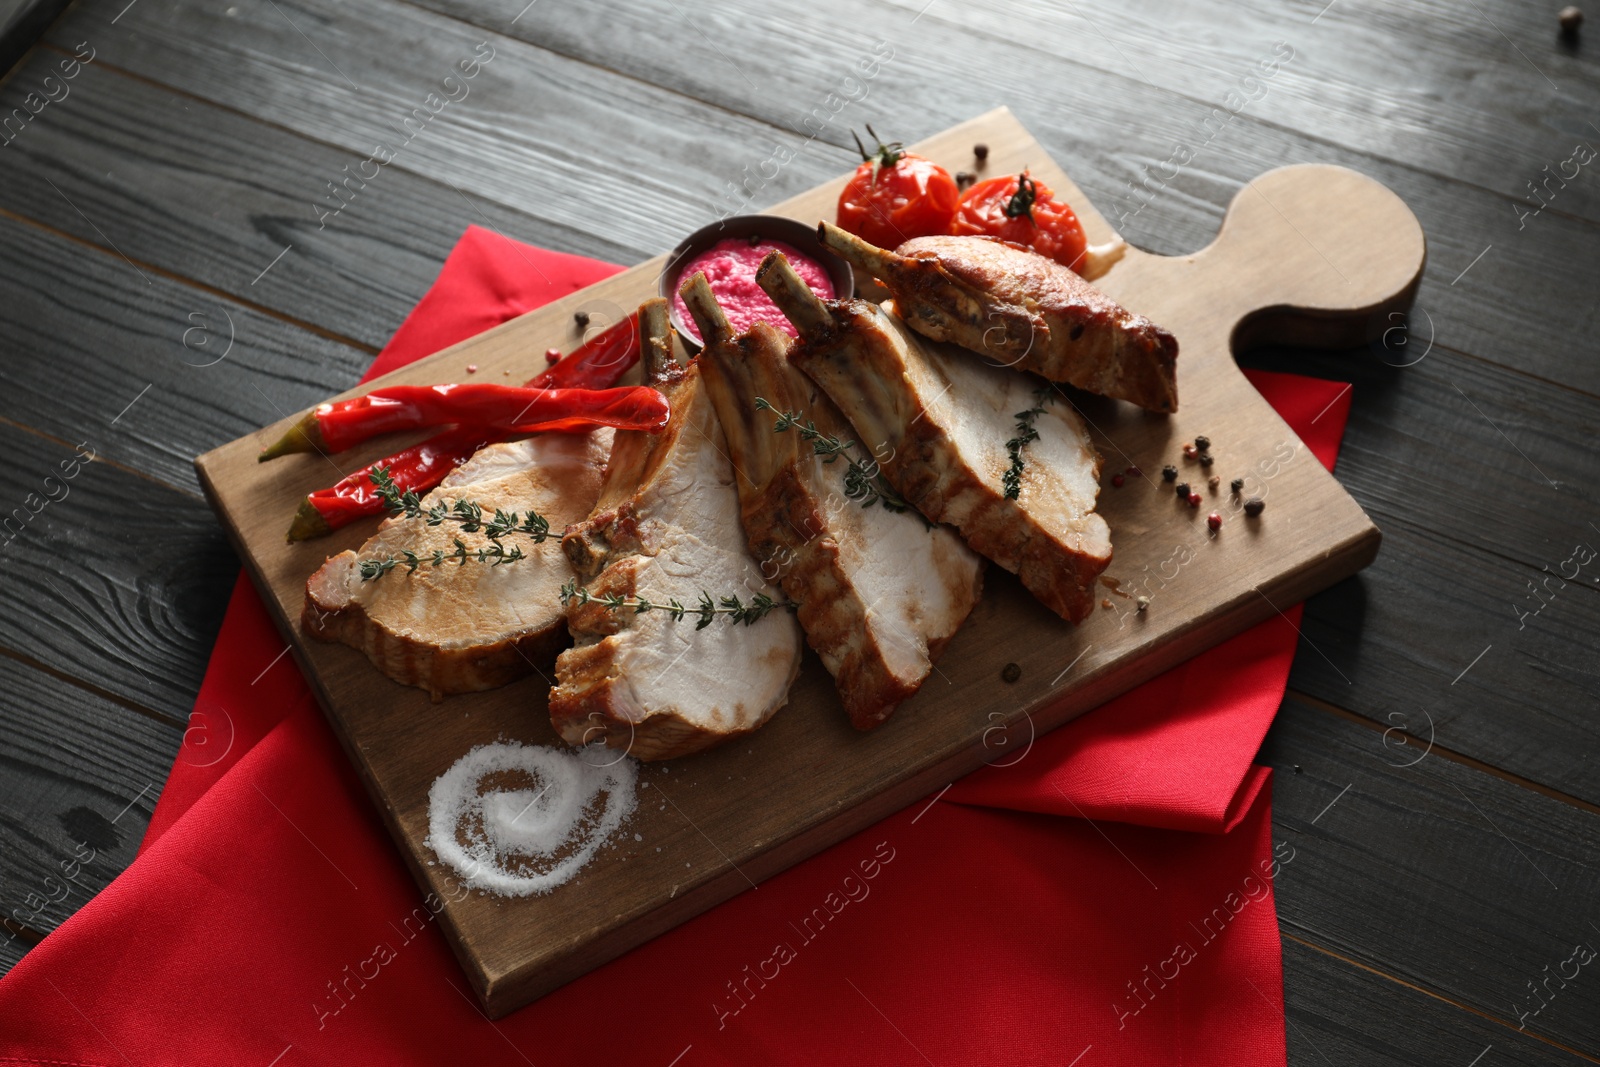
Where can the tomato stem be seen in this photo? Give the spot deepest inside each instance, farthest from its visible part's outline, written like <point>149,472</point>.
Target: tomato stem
<point>1021,203</point>
<point>886,155</point>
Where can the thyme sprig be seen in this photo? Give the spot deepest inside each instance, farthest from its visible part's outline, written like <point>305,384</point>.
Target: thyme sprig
<point>704,612</point>
<point>467,514</point>
<point>1011,480</point>
<point>494,554</point>
<point>863,482</point>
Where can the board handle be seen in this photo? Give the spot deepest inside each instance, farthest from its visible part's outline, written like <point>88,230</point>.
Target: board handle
<point>1321,256</point>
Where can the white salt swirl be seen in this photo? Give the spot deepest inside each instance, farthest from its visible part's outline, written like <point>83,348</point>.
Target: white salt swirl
<point>517,820</point>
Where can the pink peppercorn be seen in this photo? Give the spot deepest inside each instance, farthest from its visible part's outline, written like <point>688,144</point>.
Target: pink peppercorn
<point>1214,521</point>
<point>1117,480</point>
<point>1194,500</point>
<point>552,355</point>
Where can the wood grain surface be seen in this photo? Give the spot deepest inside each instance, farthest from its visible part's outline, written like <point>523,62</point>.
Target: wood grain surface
<point>1270,271</point>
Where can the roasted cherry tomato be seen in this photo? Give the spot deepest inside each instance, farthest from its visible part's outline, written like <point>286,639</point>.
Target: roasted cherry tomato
<point>1018,209</point>
<point>896,195</point>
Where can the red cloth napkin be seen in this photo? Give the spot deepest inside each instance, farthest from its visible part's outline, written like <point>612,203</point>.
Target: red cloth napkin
<point>269,920</point>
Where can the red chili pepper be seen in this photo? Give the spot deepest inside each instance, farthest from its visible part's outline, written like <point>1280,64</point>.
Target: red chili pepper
<point>420,468</point>
<point>344,424</point>
<point>596,364</point>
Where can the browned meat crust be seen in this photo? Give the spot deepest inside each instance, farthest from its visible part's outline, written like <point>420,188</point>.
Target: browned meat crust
<point>878,636</point>
<point>667,526</point>
<point>942,421</point>
<point>1022,310</point>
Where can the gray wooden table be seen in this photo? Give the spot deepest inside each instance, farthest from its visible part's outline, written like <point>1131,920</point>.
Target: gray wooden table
<point>1439,750</point>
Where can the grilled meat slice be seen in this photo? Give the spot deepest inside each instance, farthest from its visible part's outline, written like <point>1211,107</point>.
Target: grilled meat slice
<point>1024,311</point>
<point>940,423</point>
<point>881,591</point>
<point>667,527</point>
<point>464,628</point>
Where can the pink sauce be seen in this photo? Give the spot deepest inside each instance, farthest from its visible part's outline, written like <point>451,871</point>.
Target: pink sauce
<point>730,266</point>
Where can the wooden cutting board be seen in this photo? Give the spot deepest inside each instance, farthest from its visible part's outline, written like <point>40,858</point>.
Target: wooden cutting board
<point>1310,255</point>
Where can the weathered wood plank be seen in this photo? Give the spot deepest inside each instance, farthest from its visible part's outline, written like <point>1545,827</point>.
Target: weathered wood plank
<point>1339,1013</point>
<point>1451,879</point>
<point>80,781</point>
<point>542,133</point>
<point>212,195</point>
<point>1487,93</point>
<point>1427,640</point>
<point>159,371</point>
<point>1450,457</point>
<point>21,23</point>
<point>1109,124</point>
<point>110,578</point>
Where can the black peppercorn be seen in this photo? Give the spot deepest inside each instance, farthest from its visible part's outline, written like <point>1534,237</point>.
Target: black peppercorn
<point>1010,673</point>
<point>1169,473</point>
<point>1236,485</point>
<point>1570,18</point>
<point>1207,459</point>
<point>981,151</point>
<point>1202,443</point>
<point>1254,506</point>
<point>581,318</point>
<point>964,178</point>
<point>1183,490</point>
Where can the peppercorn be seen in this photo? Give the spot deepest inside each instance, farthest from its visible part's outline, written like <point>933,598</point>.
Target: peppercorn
<point>1207,459</point>
<point>1010,673</point>
<point>1169,473</point>
<point>965,178</point>
<point>1189,451</point>
<point>581,318</point>
<point>753,240</point>
<point>1105,602</point>
<point>1214,481</point>
<point>1144,604</point>
<point>1202,443</point>
<point>472,368</point>
<point>1117,480</point>
<point>1214,521</point>
<point>1194,500</point>
<point>1135,472</point>
<point>1254,506</point>
<point>1570,18</point>
<point>552,355</point>
<point>1236,485</point>
<point>1182,489</point>
<point>980,151</point>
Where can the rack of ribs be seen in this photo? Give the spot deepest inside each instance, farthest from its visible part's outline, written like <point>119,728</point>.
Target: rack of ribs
<point>667,527</point>
<point>1021,310</point>
<point>881,591</point>
<point>939,423</point>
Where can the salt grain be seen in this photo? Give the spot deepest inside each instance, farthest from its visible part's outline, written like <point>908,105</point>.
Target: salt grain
<point>522,841</point>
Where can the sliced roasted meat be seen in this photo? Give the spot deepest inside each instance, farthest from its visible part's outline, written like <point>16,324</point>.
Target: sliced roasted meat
<point>940,424</point>
<point>1022,310</point>
<point>462,628</point>
<point>880,590</point>
<point>667,528</point>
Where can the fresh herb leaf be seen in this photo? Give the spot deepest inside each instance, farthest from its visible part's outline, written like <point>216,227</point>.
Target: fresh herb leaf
<point>704,612</point>
<point>1011,480</point>
<point>863,482</point>
<point>467,514</point>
